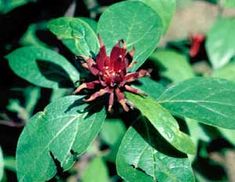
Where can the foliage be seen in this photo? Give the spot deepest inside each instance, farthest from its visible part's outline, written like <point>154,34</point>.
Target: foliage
<point>220,43</point>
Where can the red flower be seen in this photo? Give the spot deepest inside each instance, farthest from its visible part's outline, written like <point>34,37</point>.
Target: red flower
<point>197,41</point>
<point>112,74</point>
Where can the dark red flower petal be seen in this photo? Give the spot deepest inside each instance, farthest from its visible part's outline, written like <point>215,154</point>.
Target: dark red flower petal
<point>102,57</point>
<point>117,57</point>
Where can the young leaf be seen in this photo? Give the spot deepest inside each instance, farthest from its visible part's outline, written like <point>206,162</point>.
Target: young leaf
<point>164,8</point>
<point>1,164</point>
<point>143,156</point>
<point>96,171</point>
<point>42,67</point>
<point>207,100</point>
<point>76,34</point>
<point>163,122</point>
<point>220,44</point>
<point>64,129</point>
<point>172,65</point>
<point>134,22</point>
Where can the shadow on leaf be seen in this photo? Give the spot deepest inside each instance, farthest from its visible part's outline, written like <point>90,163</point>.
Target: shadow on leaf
<point>89,108</point>
<point>154,138</point>
<point>55,73</point>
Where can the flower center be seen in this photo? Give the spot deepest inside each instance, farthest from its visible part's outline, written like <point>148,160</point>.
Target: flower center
<point>111,77</point>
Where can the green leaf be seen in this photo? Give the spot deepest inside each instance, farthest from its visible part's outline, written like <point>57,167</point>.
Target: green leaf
<point>196,131</point>
<point>228,134</point>
<point>164,8</point>
<point>226,72</point>
<point>150,87</point>
<point>134,22</point>
<point>96,171</point>
<point>220,44</point>
<point>206,100</point>
<point>42,67</point>
<point>172,65</point>
<point>112,132</point>
<point>1,164</point>
<point>64,129</point>
<point>76,34</point>
<point>143,156</point>
<point>163,122</point>
<point>92,23</point>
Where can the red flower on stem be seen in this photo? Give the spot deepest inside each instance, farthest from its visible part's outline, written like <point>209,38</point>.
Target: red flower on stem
<point>111,73</point>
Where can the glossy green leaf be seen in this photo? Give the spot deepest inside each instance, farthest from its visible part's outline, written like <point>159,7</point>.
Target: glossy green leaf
<point>172,65</point>
<point>134,22</point>
<point>163,122</point>
<point>1,164</point>
<point>143,156</point>
<point>164,8</point>
<point>112,132</point>
<point>76,34</point>
<point>220,44</point>
<point>150,87</point>
<point>96,171</point>
<point>226,72</point>
<point>64,129</point>
<point>42,67</point>
<point>207,100</point>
